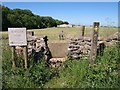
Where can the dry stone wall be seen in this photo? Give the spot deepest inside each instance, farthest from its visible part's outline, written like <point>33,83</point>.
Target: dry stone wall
<point>35,44</point>
<point>79,47</point>
<point>37,48</point>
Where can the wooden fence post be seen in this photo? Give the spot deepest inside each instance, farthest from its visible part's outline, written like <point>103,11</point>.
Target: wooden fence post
<point>25,53</point>
<point>83,30</point>
<point>31,33</point>
<point>93,52</point>
<point>13,57</point>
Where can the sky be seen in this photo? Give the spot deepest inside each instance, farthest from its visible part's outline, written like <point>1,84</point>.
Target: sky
<point>80,13</point>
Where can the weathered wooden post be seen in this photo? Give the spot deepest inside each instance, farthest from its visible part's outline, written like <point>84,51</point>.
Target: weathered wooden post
<point>83,30</point>
<point>13,57</point>
<point>31,33</point>
<point>18,37</point>
<point>48,54</point>
<point>25,56</point>
<point>93,52</point>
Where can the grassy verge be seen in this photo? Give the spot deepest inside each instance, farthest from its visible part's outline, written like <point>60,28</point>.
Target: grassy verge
<point>73,74</point>
<point>80,74</point>
<point>34,77</point>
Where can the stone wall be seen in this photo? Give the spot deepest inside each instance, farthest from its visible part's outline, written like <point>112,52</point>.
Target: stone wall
<point>79,47</point>
<point>37,48</point>
<point>35,44</point>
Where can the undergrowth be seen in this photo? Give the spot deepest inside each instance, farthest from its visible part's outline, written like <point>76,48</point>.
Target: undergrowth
<point>34,77</point>
<point>81,74</point>
<point>72,74</point>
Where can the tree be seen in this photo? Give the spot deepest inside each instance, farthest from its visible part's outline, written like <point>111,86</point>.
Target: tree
<point>25,18</point>
<point>65,22</point>
<point>5,21</point>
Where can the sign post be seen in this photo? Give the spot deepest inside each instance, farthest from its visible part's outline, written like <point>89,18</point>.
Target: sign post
<point>13,57</point>
<point>25,56</point>
<point>93,53</point>
<point>18,37</point>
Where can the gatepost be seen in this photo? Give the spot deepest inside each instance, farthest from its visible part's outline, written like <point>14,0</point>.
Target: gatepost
<point>93,52</point>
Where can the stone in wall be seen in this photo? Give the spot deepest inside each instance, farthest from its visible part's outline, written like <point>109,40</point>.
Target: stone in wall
<point>56,62</point>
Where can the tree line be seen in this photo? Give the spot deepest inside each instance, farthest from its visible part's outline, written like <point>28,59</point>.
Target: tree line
<point>25,18</point>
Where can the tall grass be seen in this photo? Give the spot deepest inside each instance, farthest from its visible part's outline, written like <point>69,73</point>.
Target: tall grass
<point>80,74</point>
<point>73,74</point>
<point>34,77</point>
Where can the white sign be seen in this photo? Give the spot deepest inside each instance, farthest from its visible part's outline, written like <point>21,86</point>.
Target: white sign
<point>17,36</point>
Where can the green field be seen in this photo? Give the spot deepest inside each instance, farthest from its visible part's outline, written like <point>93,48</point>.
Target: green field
<point>53,33</point>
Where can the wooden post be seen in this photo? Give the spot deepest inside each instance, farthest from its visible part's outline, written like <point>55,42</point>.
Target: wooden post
<point>119,37</point>
<point>93,53</point>
<point>31,33</point>
<point>13,57</point>
<point>25,56</point>
<point>83,30</point>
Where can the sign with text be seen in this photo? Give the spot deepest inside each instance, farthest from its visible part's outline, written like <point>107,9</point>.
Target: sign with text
<point>17,36</point>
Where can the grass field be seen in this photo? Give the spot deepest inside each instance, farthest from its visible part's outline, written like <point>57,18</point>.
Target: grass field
<point>53,33</point>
